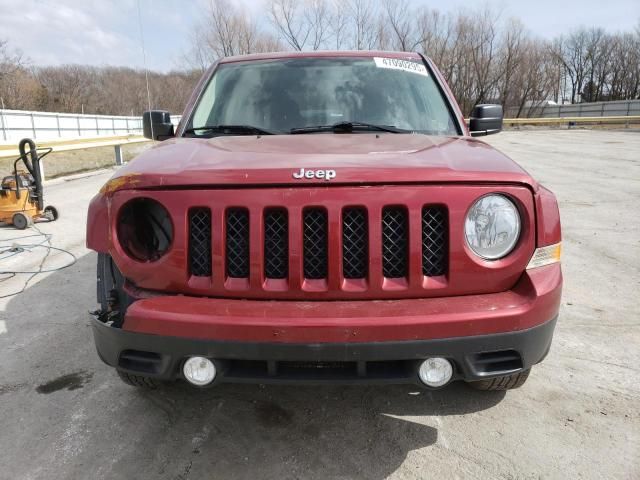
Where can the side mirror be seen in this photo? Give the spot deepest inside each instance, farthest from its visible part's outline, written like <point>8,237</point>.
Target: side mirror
<point>485,120</point>
<point>156,125</point>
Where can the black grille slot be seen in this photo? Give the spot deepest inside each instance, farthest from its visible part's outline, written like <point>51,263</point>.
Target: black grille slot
<point>395,232</point>
<point>504,361</point>
<point>355,233</point>
<point>434,241</point>
<point>200,242</point>
<point>350,371</point>
<point>315,243</point>
<point>237,243</point>
<point>138,361</point>
<point>276,244</point>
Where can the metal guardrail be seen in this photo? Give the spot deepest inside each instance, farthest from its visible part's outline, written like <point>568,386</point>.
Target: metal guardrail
<point>17,124</point>
<point>619,120</point>
<point>11,150</point>
<point>612,108</point>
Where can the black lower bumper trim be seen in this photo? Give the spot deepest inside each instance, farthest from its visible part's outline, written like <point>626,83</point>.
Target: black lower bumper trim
<point>475,357</point>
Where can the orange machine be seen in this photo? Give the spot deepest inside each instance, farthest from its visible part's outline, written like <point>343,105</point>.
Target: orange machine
<point>21,194</point>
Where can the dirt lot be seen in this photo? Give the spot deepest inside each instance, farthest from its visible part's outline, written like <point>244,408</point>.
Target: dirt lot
<point>64,415</point>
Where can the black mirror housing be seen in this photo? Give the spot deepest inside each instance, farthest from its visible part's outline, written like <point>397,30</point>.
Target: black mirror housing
<point>156,125</point>
<point>485,119</point>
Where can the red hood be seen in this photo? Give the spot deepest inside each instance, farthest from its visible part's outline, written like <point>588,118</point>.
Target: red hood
<point>356,159</point>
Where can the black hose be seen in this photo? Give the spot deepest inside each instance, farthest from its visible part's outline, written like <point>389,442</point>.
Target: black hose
<point>33,166</point>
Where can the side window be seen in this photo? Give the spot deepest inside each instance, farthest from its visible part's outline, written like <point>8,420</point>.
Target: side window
<point>205,107</point>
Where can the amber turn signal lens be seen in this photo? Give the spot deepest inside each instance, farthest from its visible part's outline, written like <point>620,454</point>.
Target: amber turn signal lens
<point>545,256</point>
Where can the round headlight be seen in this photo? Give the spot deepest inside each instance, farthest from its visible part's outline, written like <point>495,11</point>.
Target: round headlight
<point>145,231</point>
<point>492,226</point>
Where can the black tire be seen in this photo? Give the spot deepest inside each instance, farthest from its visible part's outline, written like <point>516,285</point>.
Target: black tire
<point>508,382</point>
<point>21,221</point>
<point>51,213</point>
<point>138,380</point>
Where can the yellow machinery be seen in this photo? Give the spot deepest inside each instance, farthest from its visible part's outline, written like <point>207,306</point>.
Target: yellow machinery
<point>21,194</point>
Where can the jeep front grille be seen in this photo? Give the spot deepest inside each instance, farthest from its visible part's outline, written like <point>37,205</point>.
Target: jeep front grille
<point>316,249</point>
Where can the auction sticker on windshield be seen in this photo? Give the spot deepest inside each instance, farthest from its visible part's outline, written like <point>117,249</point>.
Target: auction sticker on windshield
<point>399,64</point>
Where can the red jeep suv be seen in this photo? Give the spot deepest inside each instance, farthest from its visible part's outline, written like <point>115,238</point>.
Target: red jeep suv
<point>325,217</point>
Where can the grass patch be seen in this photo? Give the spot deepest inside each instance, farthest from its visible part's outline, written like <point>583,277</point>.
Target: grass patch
<point>58,164</point>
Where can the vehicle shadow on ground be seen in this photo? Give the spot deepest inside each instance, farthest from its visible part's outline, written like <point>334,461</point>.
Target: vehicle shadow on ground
<point>267,431</point>
<point>179,432</point>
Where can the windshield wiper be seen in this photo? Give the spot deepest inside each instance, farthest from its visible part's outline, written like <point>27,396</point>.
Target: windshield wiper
<point>230,130</point>
<point>341,127</point>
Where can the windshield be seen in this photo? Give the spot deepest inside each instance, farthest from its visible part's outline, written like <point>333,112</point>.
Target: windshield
<point>280,95</point>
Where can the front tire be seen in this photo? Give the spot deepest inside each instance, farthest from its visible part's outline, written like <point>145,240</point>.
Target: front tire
<point>138,380</point>
<point>507,382</point>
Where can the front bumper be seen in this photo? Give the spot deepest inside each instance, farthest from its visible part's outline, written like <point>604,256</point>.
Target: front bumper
<point>474,358</point>
<point>368,341</point>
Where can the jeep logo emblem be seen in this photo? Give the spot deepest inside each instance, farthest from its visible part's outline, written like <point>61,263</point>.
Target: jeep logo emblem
<point>319,174</point>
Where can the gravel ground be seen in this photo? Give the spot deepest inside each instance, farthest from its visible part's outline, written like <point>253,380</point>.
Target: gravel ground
<point>64,415</point>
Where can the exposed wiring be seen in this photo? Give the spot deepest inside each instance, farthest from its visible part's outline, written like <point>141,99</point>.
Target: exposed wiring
<point>14,248</point>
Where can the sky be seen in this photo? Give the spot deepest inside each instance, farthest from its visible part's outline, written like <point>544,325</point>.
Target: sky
<point>99,32</point>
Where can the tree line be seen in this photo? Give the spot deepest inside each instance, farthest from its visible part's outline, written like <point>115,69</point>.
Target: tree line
<point>484,57</point>
<point>88,89</point>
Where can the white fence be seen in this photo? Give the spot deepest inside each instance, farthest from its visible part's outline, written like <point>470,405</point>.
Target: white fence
<point>18,124</point>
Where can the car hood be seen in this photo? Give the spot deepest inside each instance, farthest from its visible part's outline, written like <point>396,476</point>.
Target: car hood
<point>383,158</point>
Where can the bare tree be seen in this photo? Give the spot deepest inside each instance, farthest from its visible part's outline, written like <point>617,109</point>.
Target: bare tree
<point>18,88</point>
<point>435,34</point>
<point>339,24</point>
<point>10,60</point>
<point>302,23</point>
<point>511,56</point>
<point>571,52</point>
<point>401,23</point>
<point>533,80</point>
<point>227,31</point>
<point>363,15</point>
<point>318,19</point>
<point>288,22</point>
<point>484,52</point>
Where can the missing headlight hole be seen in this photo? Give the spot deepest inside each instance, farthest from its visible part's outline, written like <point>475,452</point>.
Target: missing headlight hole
<point>145,230</point>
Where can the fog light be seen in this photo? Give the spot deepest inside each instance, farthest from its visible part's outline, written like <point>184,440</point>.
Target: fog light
<point>435,372</point>
<point>199,371</point>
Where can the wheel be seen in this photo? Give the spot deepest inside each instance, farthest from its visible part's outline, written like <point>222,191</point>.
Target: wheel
<point>51,213</point>
<point>21,221</point>
<point>138,380</point>
<point>508,382</point>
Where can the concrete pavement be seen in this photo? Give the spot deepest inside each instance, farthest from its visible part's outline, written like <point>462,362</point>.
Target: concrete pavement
<point>63,414</point>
